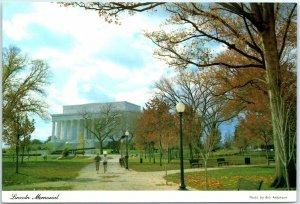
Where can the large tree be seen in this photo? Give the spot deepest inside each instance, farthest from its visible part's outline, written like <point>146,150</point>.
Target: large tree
<point>23,91</point>
<point>259,33</point>
<point>128,122</point>
<point>240,141</point>
<point>105,121</point>
<point>257,127</point>
<point>202,107</point>
<point>204,112</point>
<point>23,84</point>
<point>263,34</point>
<point>27,127</point>
<point>19,128</point>
<point>241,90</point>
<point>156,127</point>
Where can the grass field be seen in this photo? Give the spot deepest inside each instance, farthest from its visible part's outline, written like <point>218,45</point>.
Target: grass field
<point>227,178</point>
<point>36,170</point>
<point>223,179</point>
<point>42,171</point>
<point>134,162</point>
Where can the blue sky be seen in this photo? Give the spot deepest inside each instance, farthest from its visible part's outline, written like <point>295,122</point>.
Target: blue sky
<point>90,60</point>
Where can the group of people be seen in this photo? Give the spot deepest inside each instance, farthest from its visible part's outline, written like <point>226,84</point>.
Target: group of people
<point>98,158</point>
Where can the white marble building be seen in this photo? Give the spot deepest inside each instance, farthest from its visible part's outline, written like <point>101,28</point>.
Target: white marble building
<point>68,126</point>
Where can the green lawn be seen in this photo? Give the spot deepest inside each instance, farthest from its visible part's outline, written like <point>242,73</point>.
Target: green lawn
<point>227,178</point>
<point>42,171</point>
<point>36,170</point>
<point>134,162</point>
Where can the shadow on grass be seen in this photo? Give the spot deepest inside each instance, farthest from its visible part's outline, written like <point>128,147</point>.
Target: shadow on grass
<point>264,167</point>
<point>109,176</point>
<point>34,188</point>
<point>82,180</point>
<point>169,184</point>
<point>23,174</point>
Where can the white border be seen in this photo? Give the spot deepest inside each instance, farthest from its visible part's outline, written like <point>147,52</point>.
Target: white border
<point>151,196</point>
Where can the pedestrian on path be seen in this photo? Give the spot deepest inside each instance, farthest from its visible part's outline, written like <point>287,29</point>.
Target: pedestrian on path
<point>105,161</point>
<point>97,161</point>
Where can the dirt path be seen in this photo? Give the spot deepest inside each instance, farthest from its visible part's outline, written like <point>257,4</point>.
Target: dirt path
<point>117,178</point>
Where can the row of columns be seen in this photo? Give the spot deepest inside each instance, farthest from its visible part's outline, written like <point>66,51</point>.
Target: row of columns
<point>71,129</point>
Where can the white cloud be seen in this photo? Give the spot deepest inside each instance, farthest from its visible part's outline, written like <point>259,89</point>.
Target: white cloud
<point>85,67</point>
<point>97,36</point>
<point>53,98</point>
<point>51,55</point>
<point>144,77</point>
<point>16,28</point>
<point>139,96</point>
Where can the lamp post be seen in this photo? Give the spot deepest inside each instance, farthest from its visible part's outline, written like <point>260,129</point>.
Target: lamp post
<point>126,154</point>
<point>126,135</point>
<point>121,145</point>
<point>180,109</point>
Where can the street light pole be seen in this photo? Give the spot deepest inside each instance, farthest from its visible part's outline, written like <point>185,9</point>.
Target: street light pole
<point>126,135</point>
<point>180,109</point>
<point>121,147</point>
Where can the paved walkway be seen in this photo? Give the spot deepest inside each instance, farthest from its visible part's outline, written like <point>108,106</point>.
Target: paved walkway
<point>117,178</point>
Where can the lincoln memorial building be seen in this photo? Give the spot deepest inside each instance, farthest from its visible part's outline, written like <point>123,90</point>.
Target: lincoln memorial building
<point>68,126</point>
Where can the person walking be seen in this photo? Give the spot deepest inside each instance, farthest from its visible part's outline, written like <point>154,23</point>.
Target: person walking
<point>97,161</point>
<point>105,161</point>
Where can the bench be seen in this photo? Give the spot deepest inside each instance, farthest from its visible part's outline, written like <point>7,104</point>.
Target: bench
<point>271,158</point>
<point>221,161</point>
<point>195,162</point>
<point>244,184</point>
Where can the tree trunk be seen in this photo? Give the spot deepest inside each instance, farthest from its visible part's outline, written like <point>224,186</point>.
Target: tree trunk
<point>267,155</point>
<point>191,150</point>
<point>100,147</point>
<point>206,179</point>
<point>279,111</point>
<point>166,173</point>
<point>267,152</point>
<point>17,155</point>
<point>169,155</point>
<point>153,155</point>
<point>149,153</point>
<point>160,152</point>
<point>160,157</point>
<point>28,153</point>
<point>23,151</point>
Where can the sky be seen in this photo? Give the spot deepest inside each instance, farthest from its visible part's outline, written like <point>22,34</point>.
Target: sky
<point>90,60</point>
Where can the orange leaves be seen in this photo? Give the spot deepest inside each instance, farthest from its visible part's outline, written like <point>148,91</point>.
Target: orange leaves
<point>223,182</point>
<point>213,184</point>
<point>156,124</point>
<point>248,91</point>
<point>256,126</point>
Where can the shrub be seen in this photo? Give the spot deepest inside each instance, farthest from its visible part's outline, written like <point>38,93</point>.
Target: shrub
<point>56,152</point>
<point>225,152</point>
<point>80,152</point>
<point>65,152</point>
<point>114,151</point>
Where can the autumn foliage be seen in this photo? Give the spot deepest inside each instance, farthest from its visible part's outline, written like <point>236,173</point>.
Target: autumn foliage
<point>156,127</point>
